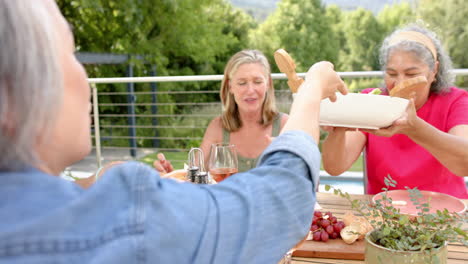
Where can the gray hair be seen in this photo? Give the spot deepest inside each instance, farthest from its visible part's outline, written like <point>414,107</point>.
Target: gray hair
<point>30,81</point>
<point>444,77</point>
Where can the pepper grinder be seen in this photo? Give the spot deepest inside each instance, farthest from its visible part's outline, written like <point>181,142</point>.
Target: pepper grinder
<point>196,171</point>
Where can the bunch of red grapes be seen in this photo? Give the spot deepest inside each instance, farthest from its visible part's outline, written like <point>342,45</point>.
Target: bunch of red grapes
<point>325,226</point>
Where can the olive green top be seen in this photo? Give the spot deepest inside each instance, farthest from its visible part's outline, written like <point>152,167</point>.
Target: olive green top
<point>245,164</point>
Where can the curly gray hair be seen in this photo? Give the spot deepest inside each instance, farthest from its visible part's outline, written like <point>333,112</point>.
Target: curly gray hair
<point>444,77</point>
<point>30,80</point>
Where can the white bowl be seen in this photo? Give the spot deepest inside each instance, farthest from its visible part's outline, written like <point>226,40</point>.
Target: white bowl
<point>368,111</point>
<point>362,110</point>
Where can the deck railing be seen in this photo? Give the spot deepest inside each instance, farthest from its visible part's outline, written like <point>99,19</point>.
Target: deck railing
<point>283,98</point>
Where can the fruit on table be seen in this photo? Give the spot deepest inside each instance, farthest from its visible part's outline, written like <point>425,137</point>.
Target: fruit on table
<point>325,226</point>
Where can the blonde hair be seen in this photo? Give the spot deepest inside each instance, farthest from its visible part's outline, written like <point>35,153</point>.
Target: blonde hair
<point>230,116</point>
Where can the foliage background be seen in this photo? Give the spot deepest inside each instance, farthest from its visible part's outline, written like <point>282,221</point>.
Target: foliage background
<point>197,37</point>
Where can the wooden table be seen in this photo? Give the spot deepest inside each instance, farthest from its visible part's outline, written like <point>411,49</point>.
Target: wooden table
<point>338,206</point>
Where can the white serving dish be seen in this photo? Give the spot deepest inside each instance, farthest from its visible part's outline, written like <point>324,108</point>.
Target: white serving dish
<point>368,111</point>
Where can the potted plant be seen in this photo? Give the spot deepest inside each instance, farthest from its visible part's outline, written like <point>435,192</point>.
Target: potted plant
<point>400,238</point>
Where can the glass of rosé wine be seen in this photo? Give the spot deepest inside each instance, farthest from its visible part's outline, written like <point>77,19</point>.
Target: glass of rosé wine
<point>223,161</point>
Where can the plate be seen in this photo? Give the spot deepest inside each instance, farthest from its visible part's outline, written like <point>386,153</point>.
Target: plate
<point>350,125</point>
<point>437,201</point>
<point>367,111</point>
<point>179,175</point>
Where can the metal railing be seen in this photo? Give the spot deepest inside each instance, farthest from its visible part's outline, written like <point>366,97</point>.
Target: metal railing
<point>274,76</point>
<point>98,117</point>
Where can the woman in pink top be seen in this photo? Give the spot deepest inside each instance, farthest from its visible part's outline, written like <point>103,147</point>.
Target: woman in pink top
<point>426,148</point>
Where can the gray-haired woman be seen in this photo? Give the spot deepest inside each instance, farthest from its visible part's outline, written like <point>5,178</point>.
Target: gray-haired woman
<point>428,147</point>
<point>132,215</point>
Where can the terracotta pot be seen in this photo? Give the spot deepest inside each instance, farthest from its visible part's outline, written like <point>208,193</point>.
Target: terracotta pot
<point>375,254</point>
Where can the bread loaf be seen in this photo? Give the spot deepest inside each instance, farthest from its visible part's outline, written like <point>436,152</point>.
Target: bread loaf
<point>407,88</point>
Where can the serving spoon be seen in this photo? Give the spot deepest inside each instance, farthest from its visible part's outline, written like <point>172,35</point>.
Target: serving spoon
<point>286,65</point>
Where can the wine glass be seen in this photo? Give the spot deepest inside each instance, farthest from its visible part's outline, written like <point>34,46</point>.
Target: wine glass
<point>223,161</point>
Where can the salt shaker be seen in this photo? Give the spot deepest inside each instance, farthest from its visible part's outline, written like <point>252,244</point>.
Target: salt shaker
<point>192,173</point>
<point>196,171</point>
<point>202,178</point>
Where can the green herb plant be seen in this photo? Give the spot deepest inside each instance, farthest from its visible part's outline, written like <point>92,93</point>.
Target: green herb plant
<point>398,231</point>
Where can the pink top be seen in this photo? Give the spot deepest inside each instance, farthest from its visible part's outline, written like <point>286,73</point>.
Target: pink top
<point>410,164</point>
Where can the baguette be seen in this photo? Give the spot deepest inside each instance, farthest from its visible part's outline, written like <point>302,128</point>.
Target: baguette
<point>358,224</point>
<point>286,65</point>
<point>406,88</point>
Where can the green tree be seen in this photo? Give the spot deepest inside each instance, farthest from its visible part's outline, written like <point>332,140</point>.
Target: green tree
<point>236,23</point>
<point>302,29</point>
<point>363,36</point>
<point>266,39</point>
<point>161,29</point>
<point>449,19</point>
<point>334,16</point>
<point>180,37</point>
<point>394,16</point>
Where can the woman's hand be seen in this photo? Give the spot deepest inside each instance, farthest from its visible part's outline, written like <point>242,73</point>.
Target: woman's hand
<point>321,82</point>
<point>405,125</point>
<point>162,165</point>
<point>324,77</point>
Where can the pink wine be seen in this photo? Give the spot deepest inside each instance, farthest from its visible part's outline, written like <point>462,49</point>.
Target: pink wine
<point>220,174</point>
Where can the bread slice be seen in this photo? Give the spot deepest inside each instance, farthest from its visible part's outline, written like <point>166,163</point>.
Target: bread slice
<point>406,88</point>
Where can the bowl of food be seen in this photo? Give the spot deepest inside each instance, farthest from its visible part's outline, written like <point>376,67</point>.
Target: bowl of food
<point>368,111</point>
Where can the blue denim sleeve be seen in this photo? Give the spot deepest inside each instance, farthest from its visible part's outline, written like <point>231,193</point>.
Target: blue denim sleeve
<point>251,217</point>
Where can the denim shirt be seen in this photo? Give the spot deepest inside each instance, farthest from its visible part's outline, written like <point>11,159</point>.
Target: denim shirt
<point>131,215</point>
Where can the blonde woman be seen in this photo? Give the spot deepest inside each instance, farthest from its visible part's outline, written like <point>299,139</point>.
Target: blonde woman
<point>249,118</point>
